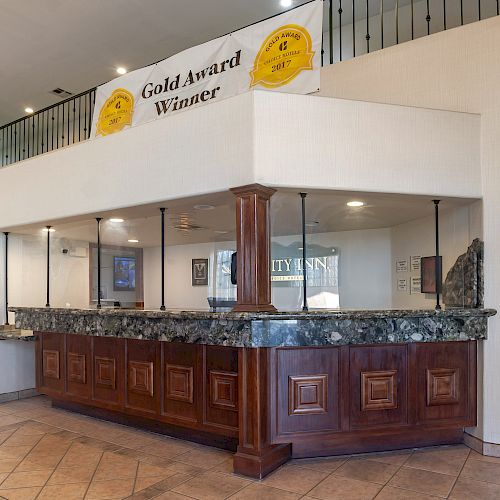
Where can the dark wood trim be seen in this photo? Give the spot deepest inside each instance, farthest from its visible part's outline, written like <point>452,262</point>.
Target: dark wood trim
<point>253,246</point>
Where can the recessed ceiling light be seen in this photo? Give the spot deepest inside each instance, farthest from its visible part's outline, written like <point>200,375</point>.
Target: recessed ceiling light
<point>312,223</point>
<point>29,110</point>
<point>115,220</point>
<point>204,207</point>
<point>121,70</point>
<point>355,203</point>
<point>47,230</point>
<point>286,3</point>
<point>133,241</point>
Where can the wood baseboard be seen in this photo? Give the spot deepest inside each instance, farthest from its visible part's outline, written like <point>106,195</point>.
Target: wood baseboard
<point>259,465</point>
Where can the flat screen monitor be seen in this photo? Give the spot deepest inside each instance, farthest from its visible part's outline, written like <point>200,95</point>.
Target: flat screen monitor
<point>123,274</point>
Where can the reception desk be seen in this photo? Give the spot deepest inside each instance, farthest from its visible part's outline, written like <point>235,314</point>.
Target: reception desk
<point>270,386</point>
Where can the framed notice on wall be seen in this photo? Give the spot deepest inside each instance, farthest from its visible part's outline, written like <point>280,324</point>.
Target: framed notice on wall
<point>401,266</point>
<point>199,272</point>
<point>402,285</point>
<point>415,263</point>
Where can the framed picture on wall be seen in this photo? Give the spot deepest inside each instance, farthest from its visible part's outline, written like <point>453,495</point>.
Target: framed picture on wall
<point>199,272</point>
<point>428,274</point>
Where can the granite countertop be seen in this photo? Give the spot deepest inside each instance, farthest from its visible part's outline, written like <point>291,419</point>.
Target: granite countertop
<point>251,316</point>
<point>297,328</point>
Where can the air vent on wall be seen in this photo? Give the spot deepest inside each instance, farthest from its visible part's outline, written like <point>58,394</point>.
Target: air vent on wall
<point>61,93</point>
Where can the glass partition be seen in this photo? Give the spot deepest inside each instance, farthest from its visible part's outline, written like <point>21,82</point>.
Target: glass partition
<point>364,250</point>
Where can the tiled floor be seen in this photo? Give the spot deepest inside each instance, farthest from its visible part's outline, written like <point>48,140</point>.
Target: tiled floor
<point>47,453</point>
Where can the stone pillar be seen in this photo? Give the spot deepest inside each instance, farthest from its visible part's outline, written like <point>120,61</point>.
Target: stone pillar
<point>253,244</point>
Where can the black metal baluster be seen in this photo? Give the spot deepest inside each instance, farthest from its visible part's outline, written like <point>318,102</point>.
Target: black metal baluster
<point>461,12</point>
<point>6,293</point>
<point>437,262</point>
<point>3,146</point>
<point>444,14</point>
<point>85,118</point>
<point>74,119</point>
<point>340,29</point>
<point>498,8</point>
<point>479,9</point>
<point>24,139</point>
<point>353,31</point>
<point>15,142</point>
<point>428,19</point>
<point>57,128</point>
<point>42,129</point>
<point>10,149</point>
<point>367,29</point>
<point>68,121</point>
<point>330,34</point>
<point>382,24</point>
<point>52,130</point>
<point>29,136</point>
<point>397,21</point>
<point>79,115</point>
<point>412,22</point>
<point>62,127</point>
<point>47,130</point>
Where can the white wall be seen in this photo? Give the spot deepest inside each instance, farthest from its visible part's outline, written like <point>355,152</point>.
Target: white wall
<point>457,229</point>
<point>456,70</point>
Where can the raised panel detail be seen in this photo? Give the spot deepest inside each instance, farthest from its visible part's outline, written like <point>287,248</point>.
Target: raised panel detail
<point>140,377</point>
<point>379,390</point>
<point>307,394</point>
<point>179,383</point>
<point>442,386</point>
<point>76,368</point>
<point>51,364</point>
<point>105,372</point>
<point>224,390</point>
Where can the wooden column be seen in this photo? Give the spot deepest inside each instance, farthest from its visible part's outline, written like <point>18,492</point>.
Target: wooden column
<point>256,456</point>
<point>253,244</point>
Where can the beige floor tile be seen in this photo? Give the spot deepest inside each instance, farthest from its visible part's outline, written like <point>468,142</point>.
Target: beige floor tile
<point>211,486</point>
<point>294,479</point>
<point>3,477</point>
<point>74,491</point>
<point>390,493</point>
<point>320,464</point>
<point>114,466</point>
<point>186,468</point>
<point>8,465</point>
<point>167,449</point>
<point>482,471</point>
<point>367,470</point>
<point>20,439</point>
<point>205,457</point>
<point>261,491</point>
<point>148,470</point>
<point>8,452</point>
<point>11,419</point>
<point>446,460</point>
<point>474,455</point>
<point>342,488</point>
<point>388,457</point>
<point>469,489</point>
<point>422,481</point>
<point>27,479</point>
<point>65,475</point>
<point>171,482</point>
<point>171,495</point>
<point>142,483</point>
<point>20,493</point>
<point>38,462</point>
<point>81,456</point>
<point>116,488</point>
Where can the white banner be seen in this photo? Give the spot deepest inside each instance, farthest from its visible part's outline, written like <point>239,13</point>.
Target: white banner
<point>281,54</point>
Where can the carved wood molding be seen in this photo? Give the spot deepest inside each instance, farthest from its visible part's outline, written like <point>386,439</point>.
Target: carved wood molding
<point>379,390</point>
<point>140,375</point>
<point>307,394</point>
<point>179,383</point>
<point>442,386</point>
<point>51,364</point>
<point>224,390</point>
<point>105,372</point>
<point>76,368</point>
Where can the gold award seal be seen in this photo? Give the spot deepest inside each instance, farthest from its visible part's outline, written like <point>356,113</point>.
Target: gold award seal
<point>283,55</point>
<point>116,112</point>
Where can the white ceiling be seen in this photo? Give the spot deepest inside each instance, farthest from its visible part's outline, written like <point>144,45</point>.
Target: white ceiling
<point>325,211</point>
<point>77,44</point>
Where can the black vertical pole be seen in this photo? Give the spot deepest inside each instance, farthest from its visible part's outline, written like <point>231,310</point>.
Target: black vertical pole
<point>98,219</point>
<point>6,277</point>
<point>162,307</point>
<point>330,30</point>
<point>48,266</point>
<point>304,252</point>
<point>437,264</point>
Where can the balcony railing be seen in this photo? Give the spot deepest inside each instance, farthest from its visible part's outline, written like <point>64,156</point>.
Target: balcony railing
<point>355,27</point>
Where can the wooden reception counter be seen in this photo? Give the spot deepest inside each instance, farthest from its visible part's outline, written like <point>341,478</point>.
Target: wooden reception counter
<point>269,386</point>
